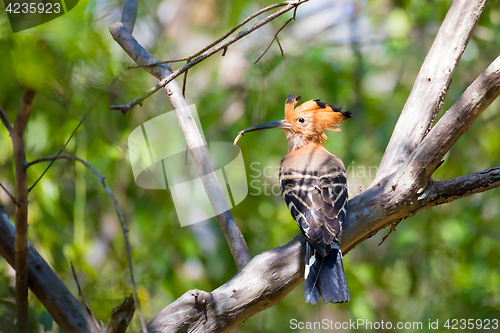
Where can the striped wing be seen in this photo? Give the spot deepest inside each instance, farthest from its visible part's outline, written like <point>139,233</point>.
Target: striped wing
<point>318,204</point>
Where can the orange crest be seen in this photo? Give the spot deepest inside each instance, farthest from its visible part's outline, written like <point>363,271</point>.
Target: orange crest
<point>313,117</point>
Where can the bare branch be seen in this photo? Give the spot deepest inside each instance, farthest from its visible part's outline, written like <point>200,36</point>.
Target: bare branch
<point>73,133</point>
<point>5,120</point>
<point>21,239</point>
<point>184,82</point>
<point>129,15</point>
<point>118,36</point>
<point>82,296</point>
<point>45,284</point>
<point>229,33</point>
<point>431,84</point>
<point>118,210</point>
<point>10,196</point>
<point>275,38</point>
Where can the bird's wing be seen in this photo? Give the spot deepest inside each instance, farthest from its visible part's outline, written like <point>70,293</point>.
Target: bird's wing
<point>318,204</point>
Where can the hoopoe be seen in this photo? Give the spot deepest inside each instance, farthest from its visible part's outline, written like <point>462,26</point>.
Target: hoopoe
<point>313,184</point>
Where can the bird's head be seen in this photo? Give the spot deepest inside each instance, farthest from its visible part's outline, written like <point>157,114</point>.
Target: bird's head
<point>305,124</point>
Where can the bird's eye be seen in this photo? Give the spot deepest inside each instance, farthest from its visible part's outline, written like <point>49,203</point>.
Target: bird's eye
<point>302,120</point>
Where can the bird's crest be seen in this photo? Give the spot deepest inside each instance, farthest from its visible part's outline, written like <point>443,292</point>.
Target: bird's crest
<point>319,113</point>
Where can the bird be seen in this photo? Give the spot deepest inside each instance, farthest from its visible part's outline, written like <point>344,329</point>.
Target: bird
<point>314,186</point>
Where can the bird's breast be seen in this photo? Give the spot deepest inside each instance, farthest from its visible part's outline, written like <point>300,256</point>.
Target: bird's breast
<point>316,161</point>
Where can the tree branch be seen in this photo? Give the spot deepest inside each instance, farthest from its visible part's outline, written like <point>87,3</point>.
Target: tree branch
<point>275,37</point>
<point>10,196</point>
<point>229,33</point>
<point>115,31</point>
<point>262,283</point>
<point>21,239</point>
<point>233,235</point>
<point>5,120</point>
<point>121,316</point>
<point>431,84</point>
<point>45,284</point>
<point>452,189</point>
<point>82,297</point>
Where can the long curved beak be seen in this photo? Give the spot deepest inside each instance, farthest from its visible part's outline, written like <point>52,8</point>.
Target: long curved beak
<point>274,124</point>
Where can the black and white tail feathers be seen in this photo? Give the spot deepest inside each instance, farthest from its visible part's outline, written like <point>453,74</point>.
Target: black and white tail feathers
<point>325,276</point>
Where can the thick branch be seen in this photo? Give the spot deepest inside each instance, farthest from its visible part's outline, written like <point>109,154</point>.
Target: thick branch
<point>235,239</point>
<point>45,284</point>
<point>129,15</point>
<point>262,283</point>
<point>431,84</point>
<point>21,240</point>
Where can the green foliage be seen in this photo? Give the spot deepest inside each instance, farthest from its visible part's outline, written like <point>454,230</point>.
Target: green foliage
<point>442,263</point>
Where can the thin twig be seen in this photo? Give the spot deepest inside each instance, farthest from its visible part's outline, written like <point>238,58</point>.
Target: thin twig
<point>184,80</point>
<point>118,210</point>
<point>160,63</point>
<point>5,120</point>
<point>229,33</point>
<point>281,48</point>
<point>74,132</point>
<point>82,296</point>
<point>275,38</point>
<point>21,238</point>
<point>10,196</point>
<point>393,228</point>
<point>222,46</point>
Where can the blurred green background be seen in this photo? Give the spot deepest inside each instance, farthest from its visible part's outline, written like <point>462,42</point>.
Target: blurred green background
<point>441,264</point>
